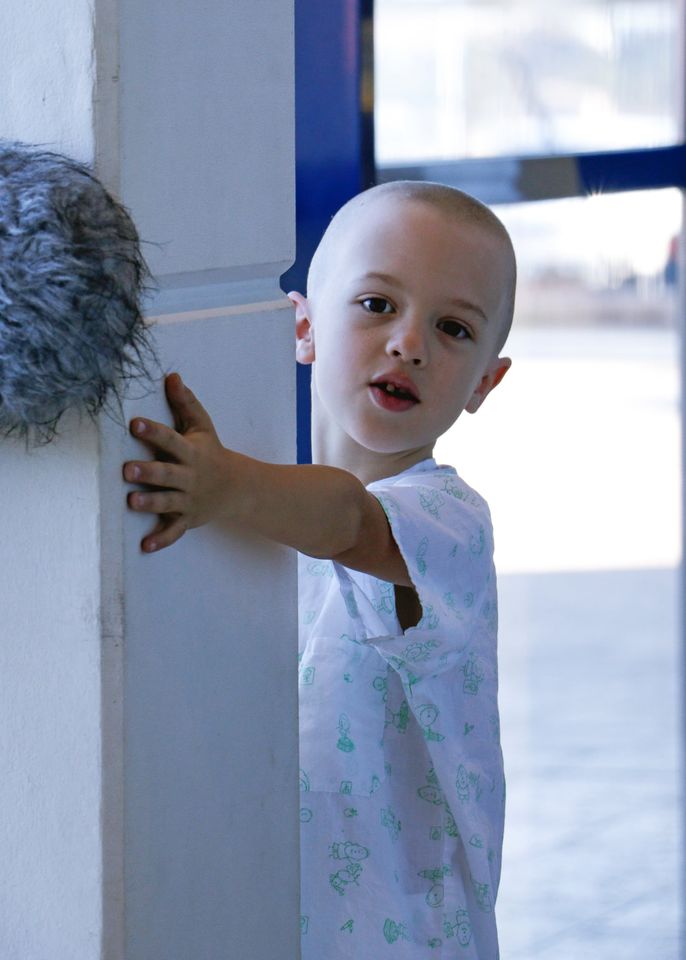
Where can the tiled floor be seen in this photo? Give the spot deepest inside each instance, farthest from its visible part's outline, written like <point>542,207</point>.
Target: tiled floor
<point>589,703</point>
<point>578,456</point>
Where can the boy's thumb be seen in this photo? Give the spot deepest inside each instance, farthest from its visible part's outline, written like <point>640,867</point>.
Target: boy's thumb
<point>189,411</point>
<point>178,386</point>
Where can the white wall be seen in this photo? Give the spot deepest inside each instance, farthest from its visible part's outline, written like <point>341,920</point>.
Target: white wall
<point>206,100</point>
<point>205,124</point>
<point>46,74</point>
<point>148,703</point>
<point>50,700</point>
<point>50,896</point>
<point>208,683</point>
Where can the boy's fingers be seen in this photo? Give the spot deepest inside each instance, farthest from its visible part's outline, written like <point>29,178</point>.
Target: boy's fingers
<point>188,411</point>
<point>156,473</point>
<point>169,501</point>
<point>164,534</point>
<point>159,435</point>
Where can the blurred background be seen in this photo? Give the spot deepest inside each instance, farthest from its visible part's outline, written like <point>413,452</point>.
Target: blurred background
<point>578,453</point>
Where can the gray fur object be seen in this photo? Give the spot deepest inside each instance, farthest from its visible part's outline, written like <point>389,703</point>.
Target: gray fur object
<point>71,280</point>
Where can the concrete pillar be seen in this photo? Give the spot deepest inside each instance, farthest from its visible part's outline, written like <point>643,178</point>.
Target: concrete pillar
<point>148,737</point>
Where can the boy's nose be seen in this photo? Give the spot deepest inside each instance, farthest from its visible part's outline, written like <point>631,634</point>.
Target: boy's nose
<point>407,342</point>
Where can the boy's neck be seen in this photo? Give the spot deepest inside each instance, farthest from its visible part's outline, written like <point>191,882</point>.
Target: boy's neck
<point>332,447</point>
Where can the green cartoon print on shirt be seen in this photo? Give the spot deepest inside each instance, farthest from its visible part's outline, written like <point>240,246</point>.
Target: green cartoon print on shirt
<point>427,715</point>
<point>482,895</point>
<point>473,671</point>
<point>451,603</point>
<point>345,744</point>
<point>420,651</point>
<point>431,792</point>
<point>389,820</point>
<point>461,928</point>
<point>421,555</point>
<point>346,850</point>
<point>386,599</point>
<point>352,853</point>
<point>468,785</point>
<point>306,676</point>
<point>477,543</point>
<point>342,878</point>
<point>453,488</point>
<point>432,502</point>
<point>430,620</point>
<point>398,720</point>
<point>449,824</point>
<point>320,568</point>
<point>393,931</point>
<point>434,897</point>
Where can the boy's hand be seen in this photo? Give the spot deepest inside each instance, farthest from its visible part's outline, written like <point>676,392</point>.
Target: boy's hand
<point>189,473</point>
<point>322,511</point>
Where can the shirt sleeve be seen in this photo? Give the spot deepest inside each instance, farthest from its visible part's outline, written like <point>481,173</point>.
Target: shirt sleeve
<point>443,531</point>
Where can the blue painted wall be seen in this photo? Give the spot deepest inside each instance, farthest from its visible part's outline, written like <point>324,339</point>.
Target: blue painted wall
<point>334,138</point>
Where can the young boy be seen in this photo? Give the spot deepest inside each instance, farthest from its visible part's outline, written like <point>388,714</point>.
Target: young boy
<point>409,302</point>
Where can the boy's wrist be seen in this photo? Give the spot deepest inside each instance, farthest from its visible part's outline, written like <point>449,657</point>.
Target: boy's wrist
<point>236,493</point>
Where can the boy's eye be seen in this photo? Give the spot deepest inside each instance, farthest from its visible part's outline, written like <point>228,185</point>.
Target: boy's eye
<point>454,329</point>
<point>377,305</point>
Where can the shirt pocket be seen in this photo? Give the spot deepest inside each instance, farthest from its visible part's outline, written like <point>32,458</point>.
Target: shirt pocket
<point>342,692</point>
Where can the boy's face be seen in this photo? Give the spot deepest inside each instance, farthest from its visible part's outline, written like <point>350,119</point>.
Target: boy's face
<point>403,323</point>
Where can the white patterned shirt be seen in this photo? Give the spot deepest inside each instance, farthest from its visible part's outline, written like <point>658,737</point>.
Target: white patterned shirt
<point>402,782</point>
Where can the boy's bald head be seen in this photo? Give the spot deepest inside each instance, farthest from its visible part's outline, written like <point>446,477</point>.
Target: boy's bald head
<point>451,202</point>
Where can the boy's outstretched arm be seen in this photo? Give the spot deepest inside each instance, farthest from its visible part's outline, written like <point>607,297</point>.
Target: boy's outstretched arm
<point>321,511</point>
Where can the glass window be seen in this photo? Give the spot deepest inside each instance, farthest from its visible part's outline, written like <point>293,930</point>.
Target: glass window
<point>482,78</point>
<point>578,455</point>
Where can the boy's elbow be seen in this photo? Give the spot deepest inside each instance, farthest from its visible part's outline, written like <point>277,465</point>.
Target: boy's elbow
<point>370,546</point>
<point>347,535</point>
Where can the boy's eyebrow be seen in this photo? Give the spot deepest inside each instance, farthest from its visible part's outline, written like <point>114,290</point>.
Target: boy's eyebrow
<point>454,301</point>
<point>468,305</point>
<point>383,277</point>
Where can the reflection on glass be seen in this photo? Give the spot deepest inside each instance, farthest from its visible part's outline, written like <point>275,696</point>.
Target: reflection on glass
<point>480,78</point>
<point>578,455</point>
<point>608,260</point>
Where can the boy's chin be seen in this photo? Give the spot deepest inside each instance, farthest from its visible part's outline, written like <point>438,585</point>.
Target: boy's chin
<point>387,447</point>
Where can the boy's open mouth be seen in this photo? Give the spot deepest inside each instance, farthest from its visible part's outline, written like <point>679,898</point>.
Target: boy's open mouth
<point>394,395</point>
<point>396,388</point>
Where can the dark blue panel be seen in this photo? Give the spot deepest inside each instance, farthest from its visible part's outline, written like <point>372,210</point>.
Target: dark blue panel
<point>633,169</point>
<point>334,145</point>
<point>522,179</point>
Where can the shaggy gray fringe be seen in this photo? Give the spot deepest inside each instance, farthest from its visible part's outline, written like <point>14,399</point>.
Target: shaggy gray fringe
<point>71,280</point>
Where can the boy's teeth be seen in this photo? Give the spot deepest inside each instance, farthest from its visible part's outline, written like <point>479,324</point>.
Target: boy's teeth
<point>395,391</point>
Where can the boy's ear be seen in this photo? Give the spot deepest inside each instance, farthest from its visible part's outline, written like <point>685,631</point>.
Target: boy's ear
<point>490,380</point>
<point>304,332</point>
